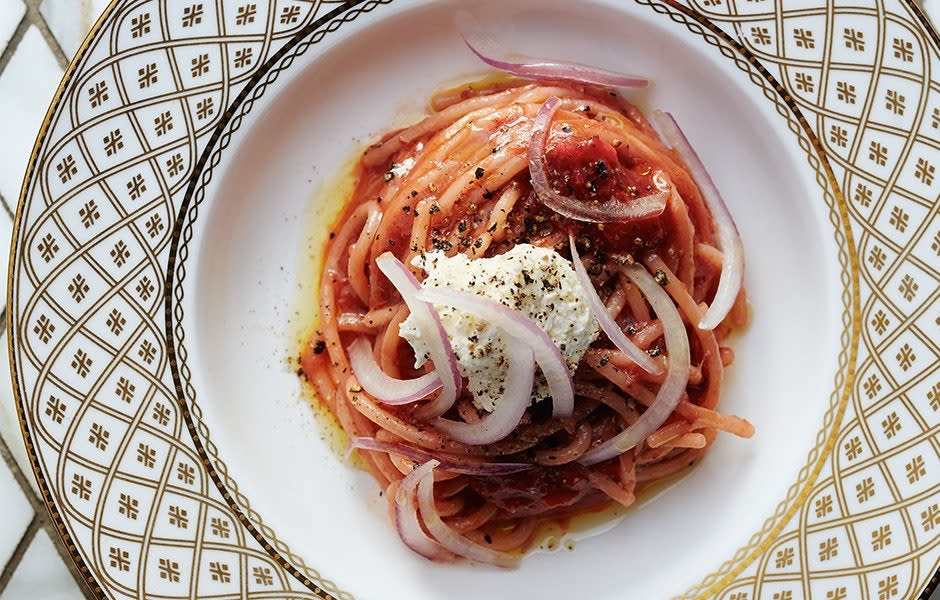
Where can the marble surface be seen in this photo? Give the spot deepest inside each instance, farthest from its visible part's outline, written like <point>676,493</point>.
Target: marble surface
<point>31,66</point>
<point>37,38</point>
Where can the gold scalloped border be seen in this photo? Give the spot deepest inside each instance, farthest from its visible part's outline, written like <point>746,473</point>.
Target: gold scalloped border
<point>817,456</point>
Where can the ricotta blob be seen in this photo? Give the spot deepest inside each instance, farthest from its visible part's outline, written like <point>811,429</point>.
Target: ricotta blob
<point>537,282</point>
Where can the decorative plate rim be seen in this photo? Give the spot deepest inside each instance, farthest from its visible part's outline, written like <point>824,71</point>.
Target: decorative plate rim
<point>844,390</point>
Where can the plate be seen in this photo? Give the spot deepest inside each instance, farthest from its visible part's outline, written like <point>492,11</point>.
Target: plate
<point>163,277</point>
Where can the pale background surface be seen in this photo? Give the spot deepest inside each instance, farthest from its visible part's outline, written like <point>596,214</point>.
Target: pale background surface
<point>37,38</point>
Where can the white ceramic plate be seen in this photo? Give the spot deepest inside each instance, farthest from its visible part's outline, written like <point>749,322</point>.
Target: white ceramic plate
<point>165,257</point>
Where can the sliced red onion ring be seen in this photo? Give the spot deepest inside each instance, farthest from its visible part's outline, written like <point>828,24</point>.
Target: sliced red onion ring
<point>382,386</point>
<point>449,538</point>
<point>726,232</point>
<point>607,323</point>
<point>495,55</point>
<point>510,408</point>
<point>432,332</point>
<point>677,372</point>
<point>406,517</point>
<point>612,210</point>
<point>468,467</point>
<point>517,325</point>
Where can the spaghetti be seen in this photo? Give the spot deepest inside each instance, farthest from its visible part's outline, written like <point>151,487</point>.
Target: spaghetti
<point>566,168</point>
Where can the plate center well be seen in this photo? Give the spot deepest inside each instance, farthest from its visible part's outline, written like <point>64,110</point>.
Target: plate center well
<point>250,289</point>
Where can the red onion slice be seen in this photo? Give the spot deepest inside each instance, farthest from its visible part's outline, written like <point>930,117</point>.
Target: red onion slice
<point>382,386</point>
<point>607,323</point>
<point>612,210</point>
<point>677,372</point>
<point>510,408</point>
<point>449,538</point>
<point>432,332</point>
<point>515,324</point>
<point>726,232</point>
<point>406,517</point>
<point>450,464</point>
<point>495,55</point>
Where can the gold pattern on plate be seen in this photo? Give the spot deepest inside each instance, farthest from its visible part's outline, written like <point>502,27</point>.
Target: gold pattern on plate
<point>123,459</point>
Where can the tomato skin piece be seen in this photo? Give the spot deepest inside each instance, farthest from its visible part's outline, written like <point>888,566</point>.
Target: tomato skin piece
<point>592,170</point>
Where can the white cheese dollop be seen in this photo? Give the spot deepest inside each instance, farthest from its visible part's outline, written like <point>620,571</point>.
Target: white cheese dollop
<point>537,282</point>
